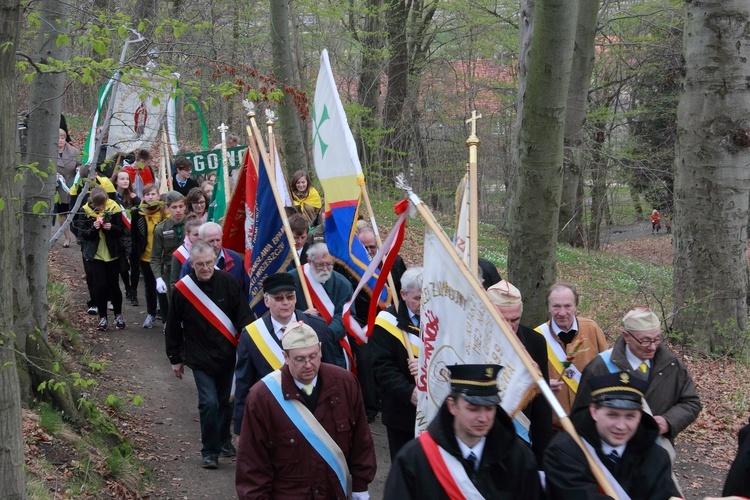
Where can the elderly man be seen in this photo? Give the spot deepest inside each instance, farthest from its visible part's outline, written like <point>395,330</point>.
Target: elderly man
<point>622,438</point>
<point>259,351</point>
<point>206,313</point>
<point>366,236</point>
<point>470,449</point>
<point>534,425</point>
<point>393,367</point>
<point>329,291</point>
<point>641,353</point>
<point>568,335</point>
<point>304,433</point>
<point>226,260</point>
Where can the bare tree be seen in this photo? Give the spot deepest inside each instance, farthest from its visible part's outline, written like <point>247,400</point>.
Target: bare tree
<point>712,181</point>
<point>535,210</point>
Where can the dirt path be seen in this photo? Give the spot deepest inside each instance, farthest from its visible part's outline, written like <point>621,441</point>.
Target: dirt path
<point>165,426</point>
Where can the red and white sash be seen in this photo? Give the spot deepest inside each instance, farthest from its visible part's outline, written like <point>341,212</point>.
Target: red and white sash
<point>448,470</point>
<point>182,253</point>
<point>208,309</point>
<point>324,305</point>
<point>126,219</point>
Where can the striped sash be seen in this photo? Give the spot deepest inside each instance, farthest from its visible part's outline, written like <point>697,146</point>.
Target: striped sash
<point>557,355</point>
<point>208,309</point>
<point>182,254</point>
<point>449,471</point>
<point>266,343</point>
<point>389,323</point>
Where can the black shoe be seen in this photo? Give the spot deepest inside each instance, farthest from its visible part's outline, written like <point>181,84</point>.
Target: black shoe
<point>134,300</point>
<point>210,463</point>
<point>228,450</point>
<point>371,417</point>
<point>128,294</point>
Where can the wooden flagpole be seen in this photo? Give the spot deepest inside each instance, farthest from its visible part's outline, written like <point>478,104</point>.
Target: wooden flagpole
<point>280,206</point>
<point>432,223</point>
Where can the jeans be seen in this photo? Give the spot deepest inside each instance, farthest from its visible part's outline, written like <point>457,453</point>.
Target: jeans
<point>214,409</point>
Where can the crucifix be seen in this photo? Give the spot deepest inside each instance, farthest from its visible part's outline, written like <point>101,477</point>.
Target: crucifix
<point>473,121</point>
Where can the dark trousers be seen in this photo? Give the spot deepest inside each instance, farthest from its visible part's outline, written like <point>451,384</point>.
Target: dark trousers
<point>366,377</point>
<point>397,438</point>
<point>149,284</point>
<point>215,410</point>
<point>129,272</point>
<point>106,278</point>
<point>89,281</point>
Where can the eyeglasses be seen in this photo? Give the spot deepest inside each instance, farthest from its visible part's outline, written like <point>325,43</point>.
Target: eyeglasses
<point>202,265</point>
<point>291,297</point>
<point>647,342</point>
<point>304,360</point>
<point>202,202</point>
<point>322,265</point>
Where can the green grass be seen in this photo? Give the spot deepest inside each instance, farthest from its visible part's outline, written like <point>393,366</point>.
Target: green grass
<point>50,419</point>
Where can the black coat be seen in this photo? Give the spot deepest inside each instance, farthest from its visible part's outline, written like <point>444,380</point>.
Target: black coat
<point>507,468</point>
<point>391,368</point>
<point>192,340</point>
<point>90,236</point>
<point>644,471</point>
<point>738,480</point>
<point>252,366</point>
<point>538,411</point>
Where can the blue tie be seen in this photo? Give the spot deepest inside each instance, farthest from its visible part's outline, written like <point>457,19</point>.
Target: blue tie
<point>614,457</point>
<point>472,458</point>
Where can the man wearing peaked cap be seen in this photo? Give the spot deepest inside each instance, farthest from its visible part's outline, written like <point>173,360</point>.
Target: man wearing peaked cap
<point>622,438</point>
<point>641,353</point>
<point>470,449</point>
<point>304,429</point>
<point>259,351</point>
<point>534,424</point>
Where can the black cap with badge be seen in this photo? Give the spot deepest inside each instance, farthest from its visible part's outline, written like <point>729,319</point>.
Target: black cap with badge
<point>618,390</point>
<point>477,384</point>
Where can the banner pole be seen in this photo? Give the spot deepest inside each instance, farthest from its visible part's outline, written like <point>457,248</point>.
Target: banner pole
<point>432,223</point>
<point>280,207</point>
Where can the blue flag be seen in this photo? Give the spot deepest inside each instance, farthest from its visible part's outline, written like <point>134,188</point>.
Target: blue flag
<point>270,249</point>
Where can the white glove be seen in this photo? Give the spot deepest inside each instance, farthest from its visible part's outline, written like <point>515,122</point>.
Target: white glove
<point>360,495</point>
<point>161,287</point>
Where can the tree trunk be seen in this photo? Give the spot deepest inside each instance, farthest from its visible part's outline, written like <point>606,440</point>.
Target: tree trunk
<point>712,179</point>
<point>571,215</point>
<point>398,85</point>
<point>368,84</point>
<point>12,479</point>
<point>534,214</point>
<point>598,192</point>
<point>146,10</point>
<point>289,126</point>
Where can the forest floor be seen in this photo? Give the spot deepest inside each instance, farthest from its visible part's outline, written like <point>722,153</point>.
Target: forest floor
<point>165,432</point>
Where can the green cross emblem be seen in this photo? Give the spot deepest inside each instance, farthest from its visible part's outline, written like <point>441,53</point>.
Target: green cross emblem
<point>317,123</point>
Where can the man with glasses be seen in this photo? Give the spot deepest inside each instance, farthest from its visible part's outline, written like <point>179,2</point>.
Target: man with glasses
<point>304,429</point>
<point>207,311</point>
<point>329,291</point>
<point>640,352</point>
<point>182,181</point>
<point>259,351</point>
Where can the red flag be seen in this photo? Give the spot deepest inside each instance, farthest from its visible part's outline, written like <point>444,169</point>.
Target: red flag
<point>236,216</point>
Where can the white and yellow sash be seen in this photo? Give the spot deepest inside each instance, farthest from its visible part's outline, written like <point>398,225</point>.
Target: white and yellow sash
<point>389,323</point>
<point>207,308</point>
<point>266,344</point>
<point>312,431</point>
<point>557,355</point>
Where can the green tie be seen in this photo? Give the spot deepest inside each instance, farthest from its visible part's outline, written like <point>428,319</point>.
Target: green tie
<point>307,389</point>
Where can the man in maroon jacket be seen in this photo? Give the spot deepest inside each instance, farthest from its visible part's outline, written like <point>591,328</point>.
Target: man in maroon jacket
<point>307,434</point>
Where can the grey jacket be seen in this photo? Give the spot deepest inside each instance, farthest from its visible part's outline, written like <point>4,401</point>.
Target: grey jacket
<point>671,392</point>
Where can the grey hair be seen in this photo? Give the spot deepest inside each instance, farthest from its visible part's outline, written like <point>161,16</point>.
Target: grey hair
<point>173,197</point>
<point>200,247</point>
<point>317,250</point>
<point>206,227</point>
<point>412,279</point>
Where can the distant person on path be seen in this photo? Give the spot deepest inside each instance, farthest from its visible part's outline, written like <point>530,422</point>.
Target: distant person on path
<point>655,221</point>
<point>67,165</point>
<point>534,424</point>
<point>640,352</point>
<point>622,438</point>
<point>470,449</point>
<point>145,219</point>
<point>304,433</point>
<point>259,351</point>
<point>738,479</point>
<point>568,335</point>
<point>206,313</point>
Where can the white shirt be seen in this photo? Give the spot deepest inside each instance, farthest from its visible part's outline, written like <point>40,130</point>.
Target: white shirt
<point>556,329</point>
<point>300,384</point>
<point>634,360</point>
<point>478,449</point>
<point>278,326</point>
<point>607,449</point>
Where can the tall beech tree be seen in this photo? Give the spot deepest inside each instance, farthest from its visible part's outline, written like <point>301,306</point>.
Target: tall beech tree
<point>712,174</point>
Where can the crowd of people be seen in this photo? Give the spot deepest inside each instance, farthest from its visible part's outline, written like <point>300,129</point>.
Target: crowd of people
<point>301,393</point>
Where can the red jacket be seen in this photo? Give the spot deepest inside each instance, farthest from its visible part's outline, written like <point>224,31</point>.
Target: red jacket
<point>147,175</point>
<point>275,461</point>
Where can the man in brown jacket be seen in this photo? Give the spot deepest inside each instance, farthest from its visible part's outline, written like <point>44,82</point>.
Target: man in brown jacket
<point>568,335</point>
<point>640,352</point>
<point>307,434</point>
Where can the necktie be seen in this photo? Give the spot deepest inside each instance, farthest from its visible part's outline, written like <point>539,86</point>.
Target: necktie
<point>643,367</point>
<point>472,458</point>
<point>415,321</point>
<point>567,337</point>
<point>614,457</point>
<point>178,230</point>
<point>307,389</point>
